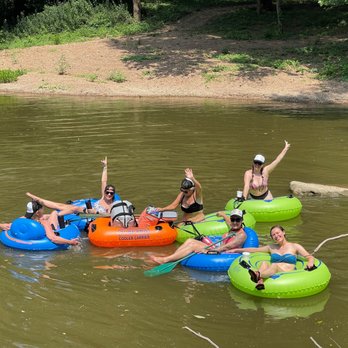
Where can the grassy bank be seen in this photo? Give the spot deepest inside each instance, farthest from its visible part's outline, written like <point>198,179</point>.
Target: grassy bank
<point>321,44</point>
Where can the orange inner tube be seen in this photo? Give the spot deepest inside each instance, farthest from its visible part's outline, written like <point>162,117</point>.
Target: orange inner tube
<point>101,234</point>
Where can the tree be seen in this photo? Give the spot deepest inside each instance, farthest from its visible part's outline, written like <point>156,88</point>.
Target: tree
<point>137,10</point>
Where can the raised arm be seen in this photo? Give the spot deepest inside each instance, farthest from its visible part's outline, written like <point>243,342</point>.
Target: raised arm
<point>198,186</point>
<point>225,217</point>
<point>274,164</point>
<point>104,178</point>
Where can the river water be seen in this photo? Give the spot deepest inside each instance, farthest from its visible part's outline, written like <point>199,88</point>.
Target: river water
<point>95,297</point>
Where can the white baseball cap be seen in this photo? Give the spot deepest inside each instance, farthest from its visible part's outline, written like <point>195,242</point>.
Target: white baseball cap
<point>237,212</point>
<point>32,208</point>
<point>260,158</point>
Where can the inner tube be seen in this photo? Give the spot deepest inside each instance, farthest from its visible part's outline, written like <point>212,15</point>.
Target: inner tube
<point>278,209</point>
<point>294,284</point>
<point>212,225</point>
<point>26,234</point>
<point>82,223</point>
<point>220,262</point>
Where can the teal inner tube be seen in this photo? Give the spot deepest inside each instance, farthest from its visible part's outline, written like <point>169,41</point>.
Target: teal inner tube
<point>212,225</point>
<point>278,209</point>
<point>294,284</point>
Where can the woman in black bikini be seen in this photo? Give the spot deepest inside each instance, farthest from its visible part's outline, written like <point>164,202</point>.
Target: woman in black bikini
<point>190,199</point>
<point>256,178</point>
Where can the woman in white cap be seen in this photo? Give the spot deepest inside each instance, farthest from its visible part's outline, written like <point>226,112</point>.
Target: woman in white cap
<point>256,178</point>
<point>235,240</point>
<point>190,199</point>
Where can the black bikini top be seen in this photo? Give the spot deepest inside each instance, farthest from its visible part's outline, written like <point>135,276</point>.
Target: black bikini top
<point>193,208</point>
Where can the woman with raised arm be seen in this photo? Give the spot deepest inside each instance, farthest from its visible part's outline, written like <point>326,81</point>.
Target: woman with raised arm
<point>256,178</point>
<point>190,199</point>
<point>102,206</point>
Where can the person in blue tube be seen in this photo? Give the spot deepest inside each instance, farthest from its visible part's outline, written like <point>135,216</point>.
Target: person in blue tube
<point>234,238</point>
<point>35,211</point>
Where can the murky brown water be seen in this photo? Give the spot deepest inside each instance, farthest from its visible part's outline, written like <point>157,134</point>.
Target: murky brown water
<point>99,297</point>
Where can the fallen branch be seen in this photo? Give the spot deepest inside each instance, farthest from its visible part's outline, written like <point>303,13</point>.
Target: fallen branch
<point>315,342</point>
<point>326,240</point>
<point>335,342</point>
<point>201,336</point>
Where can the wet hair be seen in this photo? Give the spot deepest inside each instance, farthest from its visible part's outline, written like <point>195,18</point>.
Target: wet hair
<point>110,187</point>
<point>276,226</point>
<point>187,184</point>
<point>37,206</point>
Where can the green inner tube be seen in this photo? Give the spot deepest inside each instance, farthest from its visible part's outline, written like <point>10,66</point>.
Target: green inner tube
<point>278,209</point>
<point>211,226</point>
<point>294,284</point>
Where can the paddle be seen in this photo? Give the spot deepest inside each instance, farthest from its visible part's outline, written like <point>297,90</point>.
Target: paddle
<point>169,266</point>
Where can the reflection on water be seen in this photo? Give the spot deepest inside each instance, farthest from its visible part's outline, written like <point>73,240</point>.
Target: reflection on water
<point>95,297</point>
<point>276,309</point>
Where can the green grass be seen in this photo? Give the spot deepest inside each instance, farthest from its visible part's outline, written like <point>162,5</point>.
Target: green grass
<point>117,77</point>
<point>7,76</point>
<point>299,21</point>
<point>323,31</point>
<point>91,77</point>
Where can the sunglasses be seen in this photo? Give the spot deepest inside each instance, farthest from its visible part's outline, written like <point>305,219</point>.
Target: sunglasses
<point>258,163</point>
<point>185,191</point>
<point>236,219</point>
<point>111,193</point>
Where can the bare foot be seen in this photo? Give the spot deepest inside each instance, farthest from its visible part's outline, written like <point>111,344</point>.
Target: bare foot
<point>33,197</point>
<point>157,259</point>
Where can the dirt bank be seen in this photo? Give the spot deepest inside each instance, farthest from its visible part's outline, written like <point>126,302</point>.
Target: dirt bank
<point>175,61</point>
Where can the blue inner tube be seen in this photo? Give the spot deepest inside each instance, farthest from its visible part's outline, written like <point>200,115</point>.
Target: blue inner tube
<point>220,262</point>
<point>26,234</point>
<point>82,223</point>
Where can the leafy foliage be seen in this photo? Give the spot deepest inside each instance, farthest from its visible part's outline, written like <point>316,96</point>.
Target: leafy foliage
<point>7,76</point>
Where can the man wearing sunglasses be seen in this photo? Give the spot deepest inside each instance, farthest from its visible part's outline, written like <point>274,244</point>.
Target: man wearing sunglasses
<point>235,236</point>
<point>256,178</point>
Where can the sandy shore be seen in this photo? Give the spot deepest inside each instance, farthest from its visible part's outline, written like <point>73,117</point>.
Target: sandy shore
<point>180,65</point>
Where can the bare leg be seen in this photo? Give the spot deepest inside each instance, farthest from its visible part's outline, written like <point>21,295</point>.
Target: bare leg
<point>49,204</point>
<point>190,245</point>
<point>266,270</point>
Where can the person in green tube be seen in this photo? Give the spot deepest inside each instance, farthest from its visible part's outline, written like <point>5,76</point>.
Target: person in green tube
<point>256,178</point>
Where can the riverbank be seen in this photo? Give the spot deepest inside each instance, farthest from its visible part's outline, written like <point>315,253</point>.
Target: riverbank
<point>177,61</point>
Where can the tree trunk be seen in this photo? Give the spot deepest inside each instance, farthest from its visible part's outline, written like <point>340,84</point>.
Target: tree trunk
<point>137,10</point>
<point>279,13</point>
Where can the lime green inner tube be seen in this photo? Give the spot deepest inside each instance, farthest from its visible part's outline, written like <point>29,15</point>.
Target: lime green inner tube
<point>294,284</point>
<point>211,226</point>
<point>278,209</point>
